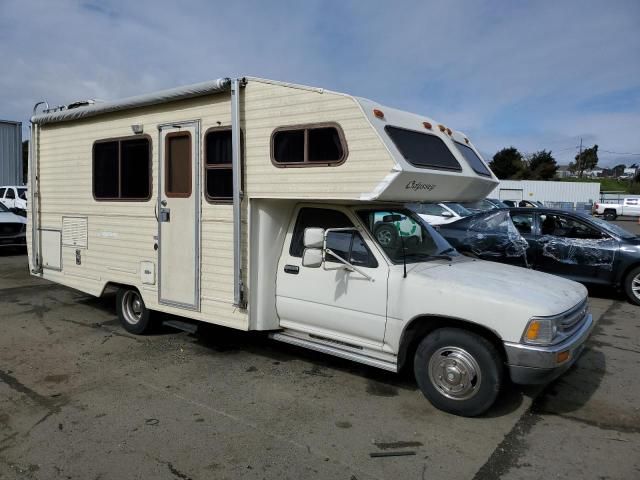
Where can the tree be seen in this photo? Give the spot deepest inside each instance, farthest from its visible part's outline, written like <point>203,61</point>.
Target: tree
<point>542,165</point>
<point>507,163</point>
<point>587,160</point>
<point>618,170</point>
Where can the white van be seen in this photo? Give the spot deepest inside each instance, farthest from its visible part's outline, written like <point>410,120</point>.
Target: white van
<point>262,205</point>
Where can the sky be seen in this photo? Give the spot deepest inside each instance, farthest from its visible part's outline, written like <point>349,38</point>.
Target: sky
<point>533,75</point>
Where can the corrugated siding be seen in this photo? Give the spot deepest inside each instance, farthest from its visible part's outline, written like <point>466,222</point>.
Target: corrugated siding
<point>549,191</point>
<point>10,153</point>
<point>121,234</point>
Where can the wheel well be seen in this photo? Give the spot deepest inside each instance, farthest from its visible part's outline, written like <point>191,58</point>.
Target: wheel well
<point>611,210</point>
<point>422,326</point>
<point>623,277</point>
<point>113,286</point>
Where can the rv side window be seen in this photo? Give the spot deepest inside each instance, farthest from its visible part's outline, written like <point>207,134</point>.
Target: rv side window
<point>423,150</point>
<point>349,245</point>
<point>178,165</point>
<point>122,169</point>
<point>218,165</point>
<point>474,160</point>
<point>308,145</point>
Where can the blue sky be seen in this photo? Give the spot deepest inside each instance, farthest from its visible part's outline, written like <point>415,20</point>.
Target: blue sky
<point>535,75</point>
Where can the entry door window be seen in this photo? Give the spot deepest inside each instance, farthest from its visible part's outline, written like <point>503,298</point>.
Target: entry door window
<point>178,165</point>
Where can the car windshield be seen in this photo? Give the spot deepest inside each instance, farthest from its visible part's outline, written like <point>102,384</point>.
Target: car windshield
<point>612,228</point>
<point>22,193</point>
<point>459,209</point>
<point>400,230</point>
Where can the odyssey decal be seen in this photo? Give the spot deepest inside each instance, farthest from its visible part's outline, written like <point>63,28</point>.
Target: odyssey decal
<point>415,186</point>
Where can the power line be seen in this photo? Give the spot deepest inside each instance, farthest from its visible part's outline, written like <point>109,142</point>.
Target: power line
<point>618,153</point>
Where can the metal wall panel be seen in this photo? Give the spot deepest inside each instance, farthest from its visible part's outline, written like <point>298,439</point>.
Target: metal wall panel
<point>10,153</point>
<point>550,191</point>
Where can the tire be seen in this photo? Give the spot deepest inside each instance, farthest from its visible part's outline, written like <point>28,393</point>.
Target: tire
<point>387,236</point>
<point>134,316</point>
<point>610,215</point>
<point>475,359</point>
<point>632,286</point>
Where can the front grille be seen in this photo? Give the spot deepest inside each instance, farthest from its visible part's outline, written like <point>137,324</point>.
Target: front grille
<point>10,228</point>
<point>574,318</point>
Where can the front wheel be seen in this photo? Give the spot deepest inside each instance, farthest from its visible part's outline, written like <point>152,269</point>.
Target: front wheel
<point>134,316</point>
<point>632,285</point>
<point>458,371</point>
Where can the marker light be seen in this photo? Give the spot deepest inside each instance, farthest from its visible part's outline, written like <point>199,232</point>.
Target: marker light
<point>562,357</point>
<point>378,113</point>
<point>449,131</point>
<point>442,127</point>
<point>540,331</point>
<point>466,140</point>
<point>426,125</point>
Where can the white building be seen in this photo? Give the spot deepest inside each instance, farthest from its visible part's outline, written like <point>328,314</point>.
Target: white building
<point>547,192</point>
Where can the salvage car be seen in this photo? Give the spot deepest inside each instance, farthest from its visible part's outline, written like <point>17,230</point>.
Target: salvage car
<point>440,213</point>
<point>12,228</point>
<point>484,205</point>
<point>573,245</point>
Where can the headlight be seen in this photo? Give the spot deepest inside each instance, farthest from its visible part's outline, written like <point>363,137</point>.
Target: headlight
<point>541,331</point>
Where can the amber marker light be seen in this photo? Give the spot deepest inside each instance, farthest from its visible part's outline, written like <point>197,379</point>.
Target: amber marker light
<point>427,125</point>
<point>442,128</point>
<point>563,356</point>
<point>533,330</point>
<point>466,140</point>
<point>378,113</point>
<point>449,131</point>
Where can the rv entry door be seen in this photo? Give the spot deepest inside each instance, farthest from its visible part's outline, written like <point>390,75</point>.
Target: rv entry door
<point>178,213</point>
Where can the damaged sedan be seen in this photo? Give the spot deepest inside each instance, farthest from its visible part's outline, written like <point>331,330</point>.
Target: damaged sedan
<point>572,245</point>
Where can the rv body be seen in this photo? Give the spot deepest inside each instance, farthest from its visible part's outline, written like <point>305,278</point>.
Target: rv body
<point>190,201</point>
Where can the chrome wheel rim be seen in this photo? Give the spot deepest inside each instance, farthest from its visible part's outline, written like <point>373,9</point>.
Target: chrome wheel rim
<point>132,307</point>
<point>384,237</point>
<point>635,286</point>
<point>455,373</point>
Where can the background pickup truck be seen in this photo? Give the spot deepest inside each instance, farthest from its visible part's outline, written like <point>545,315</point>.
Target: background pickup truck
<point>610,211</point>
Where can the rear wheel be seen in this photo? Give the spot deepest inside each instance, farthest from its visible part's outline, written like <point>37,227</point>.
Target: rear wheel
<point>610,215</point>
<point>132,312</point>
<point>458,371</point>
<point>632,285</point>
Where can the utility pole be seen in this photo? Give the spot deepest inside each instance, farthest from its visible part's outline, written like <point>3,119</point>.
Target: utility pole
<point>580,159</point>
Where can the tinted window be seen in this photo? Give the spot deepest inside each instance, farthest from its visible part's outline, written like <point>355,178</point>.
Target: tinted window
<point>324,145</point>
<point>308,145</point>
<point>566,227</point>
<point>523,222</point>
<point>218,165</point>
<point>2,190</point>
<point>22,193</point>
<point>10,193</point>
<point>422,149</point>
<point>135,174</point>
<point>178,165</point>
<point>122,170</point>
<point>473,160</point>
<point>106,170</point>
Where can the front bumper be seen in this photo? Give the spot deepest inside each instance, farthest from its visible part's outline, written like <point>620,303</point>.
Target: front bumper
<point>535,364</point>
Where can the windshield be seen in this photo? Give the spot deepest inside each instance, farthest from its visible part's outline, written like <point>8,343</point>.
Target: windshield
<point>22,193</point>
<point>612,228</point>
<point>459,209</point>
<point>398,229</point>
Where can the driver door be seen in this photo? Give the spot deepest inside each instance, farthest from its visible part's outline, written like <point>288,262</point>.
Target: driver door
<point>339,304</point>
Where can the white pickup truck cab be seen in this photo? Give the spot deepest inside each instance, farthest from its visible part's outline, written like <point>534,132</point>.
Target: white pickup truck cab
<point>376,284</point>
<point>13,197</point>
<point>630,207</point>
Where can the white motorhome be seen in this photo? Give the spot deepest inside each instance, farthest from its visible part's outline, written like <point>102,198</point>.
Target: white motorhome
<point>262,205</point>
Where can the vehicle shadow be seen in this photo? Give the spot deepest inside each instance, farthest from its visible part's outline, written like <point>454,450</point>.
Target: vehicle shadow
<point>13,251</point>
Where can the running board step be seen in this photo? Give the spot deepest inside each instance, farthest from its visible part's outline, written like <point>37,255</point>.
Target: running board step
<point>335,350</point>
<point>180,325</point>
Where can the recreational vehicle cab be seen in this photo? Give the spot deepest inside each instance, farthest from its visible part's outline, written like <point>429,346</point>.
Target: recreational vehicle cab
<point>262,205</point>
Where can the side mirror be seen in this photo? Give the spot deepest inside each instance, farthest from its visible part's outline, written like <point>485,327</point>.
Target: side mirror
<point>312,257</point>
<point>392,218</point>
<point>313,237</point>
<point>446,214</point>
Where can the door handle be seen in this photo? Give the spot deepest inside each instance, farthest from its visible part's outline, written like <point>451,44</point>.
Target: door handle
<point>292,269</point>
<point>165,215</point>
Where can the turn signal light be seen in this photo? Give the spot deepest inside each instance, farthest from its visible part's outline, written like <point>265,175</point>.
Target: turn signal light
<point>562,357</point>
<point>426,125</point>
<point>378,113</point>
<point>533,331</point>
